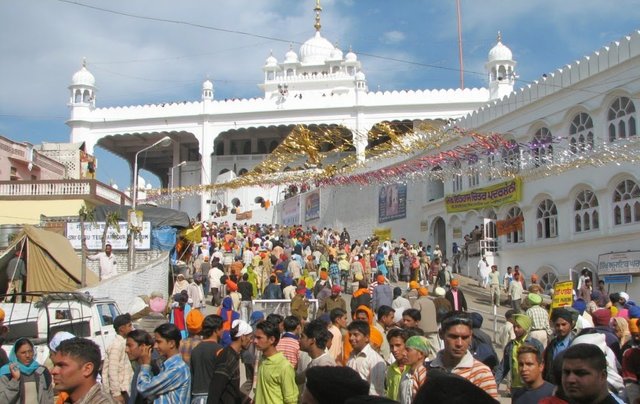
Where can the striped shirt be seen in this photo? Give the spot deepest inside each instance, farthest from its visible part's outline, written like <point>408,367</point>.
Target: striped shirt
<point>471,369</point>
<point>289,346</point>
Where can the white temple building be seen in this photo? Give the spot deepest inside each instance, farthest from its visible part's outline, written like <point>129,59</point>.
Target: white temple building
<point>569,213</point>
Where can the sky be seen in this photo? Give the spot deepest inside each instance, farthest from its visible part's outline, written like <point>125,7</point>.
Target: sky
<point>155,51</point>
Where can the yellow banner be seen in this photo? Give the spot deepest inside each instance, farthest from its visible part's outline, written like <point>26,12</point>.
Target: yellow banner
<point>562,294</point>
<point>194,234</point>
<point>480,198</point>
<point>382,234</point>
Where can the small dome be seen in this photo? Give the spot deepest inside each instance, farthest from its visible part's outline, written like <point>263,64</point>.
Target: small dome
<point>360,76</point>
<point>500,52</point>
<point>291,56</point>
<point>207,85</point>
<point>351,57</point>
<point>271,61</point>
<point>316,50</point>
<point>83,77</point>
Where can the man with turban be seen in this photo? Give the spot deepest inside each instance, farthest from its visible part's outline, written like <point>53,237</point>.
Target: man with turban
<point>456,297</point>
<point>563,322</point>
<point>540,328</point>
<point>521,327</point>
<point>194,321</point>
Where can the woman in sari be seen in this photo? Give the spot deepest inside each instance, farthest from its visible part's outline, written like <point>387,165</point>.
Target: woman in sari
<point>23,379</point>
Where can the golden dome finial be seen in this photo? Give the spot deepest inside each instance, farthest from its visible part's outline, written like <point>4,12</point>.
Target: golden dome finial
<point>317,9</point>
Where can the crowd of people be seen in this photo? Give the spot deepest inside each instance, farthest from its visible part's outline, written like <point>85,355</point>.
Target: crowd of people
<point>348,334</point>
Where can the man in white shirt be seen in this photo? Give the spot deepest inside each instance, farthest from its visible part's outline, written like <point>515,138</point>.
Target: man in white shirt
<point>214,281</point>
<point>483,272</point>
<point>364,360</point>
<point>107,260</point>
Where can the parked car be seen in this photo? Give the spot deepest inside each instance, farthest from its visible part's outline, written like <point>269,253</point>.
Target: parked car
<point>45,313</point>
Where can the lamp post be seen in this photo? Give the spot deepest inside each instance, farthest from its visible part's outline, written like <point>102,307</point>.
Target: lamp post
<point>172,168</point>
<point>165,141</point>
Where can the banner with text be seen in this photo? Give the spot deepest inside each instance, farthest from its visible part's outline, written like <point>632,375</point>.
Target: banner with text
<point>382,234</point>
<point>619,263</point>
<point>562,294</point>
<point>480,198</point>
<point>117,237</point>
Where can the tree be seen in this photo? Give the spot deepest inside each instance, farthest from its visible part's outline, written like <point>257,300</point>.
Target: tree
<point>86,215</point>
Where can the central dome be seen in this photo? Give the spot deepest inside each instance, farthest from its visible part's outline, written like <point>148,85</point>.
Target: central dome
<point>316,50</point>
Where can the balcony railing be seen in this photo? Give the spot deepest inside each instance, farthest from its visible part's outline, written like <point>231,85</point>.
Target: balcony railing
<point>62,189</point>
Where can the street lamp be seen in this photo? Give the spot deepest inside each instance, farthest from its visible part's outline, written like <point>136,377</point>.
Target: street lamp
<point>164,142</point>
<point>179,165</point>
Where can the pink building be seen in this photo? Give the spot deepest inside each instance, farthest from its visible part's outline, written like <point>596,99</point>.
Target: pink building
<point>22,162</point>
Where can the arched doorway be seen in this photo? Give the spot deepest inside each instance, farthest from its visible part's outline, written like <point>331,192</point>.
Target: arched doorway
<point>439,235</point>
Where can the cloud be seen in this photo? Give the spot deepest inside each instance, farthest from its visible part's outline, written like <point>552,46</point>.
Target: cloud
<point>392,37</point>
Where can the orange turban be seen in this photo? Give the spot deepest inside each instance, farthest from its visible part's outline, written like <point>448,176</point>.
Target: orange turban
<point>232,286</point>
<point>380,279</point>
<point>633,326</point>
<point>414,285</point>
<point>423,291</point>
<point>194,321</point>
<point>454,282</point>
<point>375,338</point>
<point>324,275</point>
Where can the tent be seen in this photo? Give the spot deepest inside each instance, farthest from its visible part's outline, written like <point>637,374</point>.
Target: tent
<point>51,262</point>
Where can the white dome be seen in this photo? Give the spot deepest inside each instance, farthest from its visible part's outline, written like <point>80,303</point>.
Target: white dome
<point>500,52</point>
<point>83,77</point>
<point>291,57</point>
<point>316,50</point>
<point>207,85</point>
<point>271,61</point>
<point>351,57</point>
<point>360,76</point>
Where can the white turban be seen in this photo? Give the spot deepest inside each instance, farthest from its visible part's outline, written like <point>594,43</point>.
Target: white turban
<point>243,328</point>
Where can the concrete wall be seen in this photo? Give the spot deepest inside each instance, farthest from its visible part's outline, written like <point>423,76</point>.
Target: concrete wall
<point>125,287</point>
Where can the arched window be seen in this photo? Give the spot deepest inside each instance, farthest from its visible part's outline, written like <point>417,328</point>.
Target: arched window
<point>511,156</point>
<point>626,203</point>
<point>547,219</point>
<point>581,132</point>
<point>620,119</point>
<point>457,177</point>
<point>547,280</point>
<point>585,209</point>
<point>78,96</point>
<point>518,235</point>
<point>86,96</point>
<point>541,147</point>
<point>474,173</point>
<point>491,166</point>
